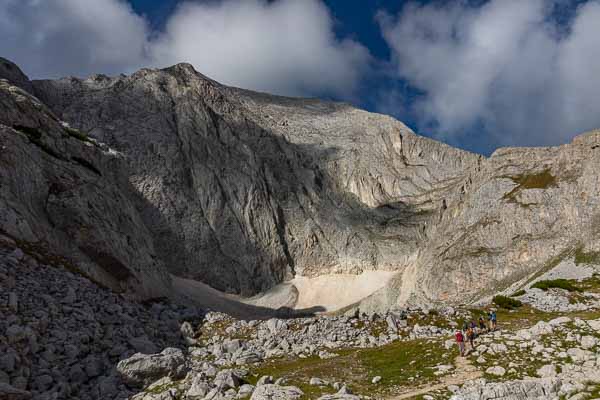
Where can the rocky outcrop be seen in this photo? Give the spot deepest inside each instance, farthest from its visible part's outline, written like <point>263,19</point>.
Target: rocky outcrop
<point>143,369</point>
<point>14,75</point>
<point>521,214</point>
<point>535,389</point>
<point>67,198</point>
<point>275,392</point>
<point>243,190</point>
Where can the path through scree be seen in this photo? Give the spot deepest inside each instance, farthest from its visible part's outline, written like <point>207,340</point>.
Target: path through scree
<point>464,371</point>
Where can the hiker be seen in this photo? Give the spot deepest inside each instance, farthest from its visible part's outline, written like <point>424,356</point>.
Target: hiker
<point>460,340</point>
<point>471,338</point>
<point>482,327</point>
<point>473,326</point>
<point>494,320</point>
<point>489,321</point>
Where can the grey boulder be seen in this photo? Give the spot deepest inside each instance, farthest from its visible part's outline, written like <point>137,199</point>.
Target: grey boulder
<point>8,392</point>
<point>274,392</point>
<point>141,369</point>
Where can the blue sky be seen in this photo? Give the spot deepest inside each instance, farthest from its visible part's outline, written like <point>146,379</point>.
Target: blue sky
<point>477,74</point>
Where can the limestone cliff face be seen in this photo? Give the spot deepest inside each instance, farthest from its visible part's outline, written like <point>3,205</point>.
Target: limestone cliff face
<point>523,212</point>
<point>243,190</point>
<point>67,199</point>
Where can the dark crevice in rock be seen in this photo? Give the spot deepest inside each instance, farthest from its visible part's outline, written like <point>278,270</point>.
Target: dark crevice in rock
<point>86,164</point>
<point>35,137</point>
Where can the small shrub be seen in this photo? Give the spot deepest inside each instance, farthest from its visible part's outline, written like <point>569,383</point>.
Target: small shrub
<point>75,133</point>
<point>557,284</point>
<point>518,293</point>
<point>506,302</point>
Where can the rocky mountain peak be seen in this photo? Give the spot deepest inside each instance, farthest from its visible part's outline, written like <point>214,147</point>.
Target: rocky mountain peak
<point>588,138</point>
<point>13,74</point>
<point>167,171</point>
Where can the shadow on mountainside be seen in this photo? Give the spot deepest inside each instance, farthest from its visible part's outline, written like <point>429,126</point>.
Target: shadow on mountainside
<point>202,295</point>
<point>228,201</point>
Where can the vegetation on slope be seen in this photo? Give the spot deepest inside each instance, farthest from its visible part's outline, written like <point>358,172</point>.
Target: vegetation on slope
<point>540,180</point>
<point>400,364</point>
<point>506,302</point>
<point>582,257</point>
<point>565,284</point>
<point>77,134</point>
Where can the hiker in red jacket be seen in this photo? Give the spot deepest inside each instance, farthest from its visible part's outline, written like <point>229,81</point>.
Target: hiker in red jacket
<point>460,340</point>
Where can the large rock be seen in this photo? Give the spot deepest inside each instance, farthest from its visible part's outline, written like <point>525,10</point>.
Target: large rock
<point>198,388</point>
<point>343,394</point>
<point>534,389</point>
<point>7,392</point>
<point>275,392</point>
<point>226,379</point>
<point>588,342</point>
<point>141,369</point>
<point>547,371</point>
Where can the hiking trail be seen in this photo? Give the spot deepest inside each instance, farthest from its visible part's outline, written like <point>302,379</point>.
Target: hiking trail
<point>464,371</point>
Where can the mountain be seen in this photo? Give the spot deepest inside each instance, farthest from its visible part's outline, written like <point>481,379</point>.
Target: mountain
<point>134,179</point>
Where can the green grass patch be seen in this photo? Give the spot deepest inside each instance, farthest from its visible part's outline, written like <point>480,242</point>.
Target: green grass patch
<point>540,180</point>
<point>298,371</point>
<point>398,362</point>
<point>557,284</point>
<point>591,284</point>
<point>594,390</point>
<point>401,364</point>
<point>518,293</point>
<point>582,257</point>
<point>506,302</point>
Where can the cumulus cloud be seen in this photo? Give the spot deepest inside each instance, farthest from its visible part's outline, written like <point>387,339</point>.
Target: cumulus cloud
<point>54,38</point>
<point>284,46</point>
<point>506,66</point>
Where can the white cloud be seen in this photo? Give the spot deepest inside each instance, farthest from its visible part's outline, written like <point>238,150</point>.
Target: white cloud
<point>284,46</point>
<point>53,38</point>
<point>503,66</point>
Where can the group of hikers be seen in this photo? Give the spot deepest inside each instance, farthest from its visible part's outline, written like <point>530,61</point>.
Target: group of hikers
<point>470,331</point>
